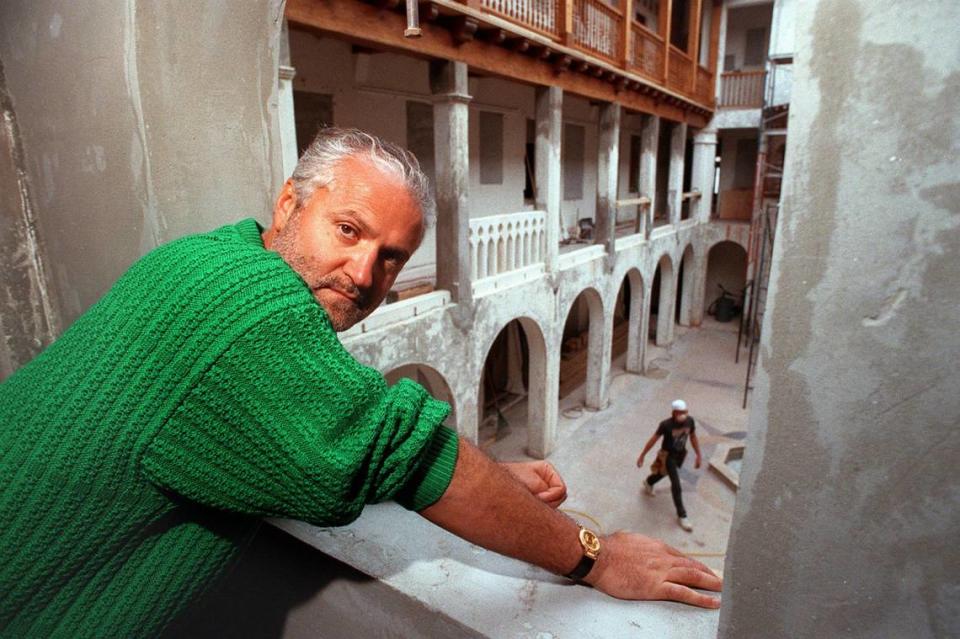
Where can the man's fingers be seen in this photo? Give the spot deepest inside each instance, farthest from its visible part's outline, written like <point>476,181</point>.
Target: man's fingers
<point>693,563</point>
<point>694,577</point>
<point>553,496</point>
<point>676,592</point>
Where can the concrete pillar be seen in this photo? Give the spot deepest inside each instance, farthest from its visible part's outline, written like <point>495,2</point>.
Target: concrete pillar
<point>697,288</point>
<point>666,303</point>
<point>448,83</point>
<point>846,519</point>
<point>678,141</point>
<point>285,113</point>
<point>547,169</point>
<point>608,168</point>
<point>288,125</point>
<point>636,337</point>
<point>599,346</point>
<point>688,266</point>
<point>644,330</point>
<point>543,401</point>
<point>704,167</point>
<point>649,141</point>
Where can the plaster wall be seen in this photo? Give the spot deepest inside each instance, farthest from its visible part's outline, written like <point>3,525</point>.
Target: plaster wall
<point>783,28</point>
<point>152,143</point>
<point>846,518</point>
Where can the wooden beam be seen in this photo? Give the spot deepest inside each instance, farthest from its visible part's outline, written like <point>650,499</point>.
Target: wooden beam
<point>695,49</point>
<point>364,24</point>
<point>566,21</point>
<point>667,14</point>
<point>626,33</point>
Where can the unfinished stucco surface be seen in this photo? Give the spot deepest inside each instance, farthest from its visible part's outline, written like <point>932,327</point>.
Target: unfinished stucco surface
<point>848,509</point>
<point>139,122</point>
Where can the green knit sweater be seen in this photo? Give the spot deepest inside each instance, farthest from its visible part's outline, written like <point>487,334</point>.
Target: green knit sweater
<point>205,390</point>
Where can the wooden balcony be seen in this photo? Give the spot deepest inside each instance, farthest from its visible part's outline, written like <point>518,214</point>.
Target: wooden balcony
<point>598,29</point>
<point>587,47</point>
<point>742,89</point>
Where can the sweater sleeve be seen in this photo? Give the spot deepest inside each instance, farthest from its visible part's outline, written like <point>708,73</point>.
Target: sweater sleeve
<point>286,423</point>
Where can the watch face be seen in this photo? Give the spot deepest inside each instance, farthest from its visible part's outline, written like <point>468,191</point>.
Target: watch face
<point>591,542</point>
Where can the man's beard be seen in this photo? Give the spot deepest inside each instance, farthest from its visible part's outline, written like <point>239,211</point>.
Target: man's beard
<point>342,312</point>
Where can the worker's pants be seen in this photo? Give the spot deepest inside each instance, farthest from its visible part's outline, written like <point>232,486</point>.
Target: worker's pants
<point>674,461</point>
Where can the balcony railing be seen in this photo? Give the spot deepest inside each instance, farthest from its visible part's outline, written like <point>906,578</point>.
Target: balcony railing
<point>538,15</point>
<point>647,58</point>
<point>598,28</point>
<point>680,70</point>
<point>742,89</point>
<point>503,243</point>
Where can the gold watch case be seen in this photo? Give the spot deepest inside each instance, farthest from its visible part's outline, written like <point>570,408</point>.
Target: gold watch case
<point>590,543</point>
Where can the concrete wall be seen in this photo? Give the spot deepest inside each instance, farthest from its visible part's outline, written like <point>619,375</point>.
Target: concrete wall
<point>849,502</point>
<point>739,20</point>
<point>137,123</point>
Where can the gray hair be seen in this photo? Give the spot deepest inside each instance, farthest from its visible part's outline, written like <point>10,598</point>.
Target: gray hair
<point>333,145</point>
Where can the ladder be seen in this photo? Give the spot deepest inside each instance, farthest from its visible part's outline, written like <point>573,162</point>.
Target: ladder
<point>764,227</point>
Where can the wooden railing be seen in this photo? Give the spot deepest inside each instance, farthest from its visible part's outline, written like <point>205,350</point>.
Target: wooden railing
<point>596,28</point>
<point>646,53</point>
<point>538,15</point>
<point>705,88</point>
<point>680,70</point>
<point>599,29</point>
<point>743,89</point>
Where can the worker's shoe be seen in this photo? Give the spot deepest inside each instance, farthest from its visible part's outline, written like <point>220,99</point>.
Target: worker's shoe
<point>648,488</point>
<point>685,524</point>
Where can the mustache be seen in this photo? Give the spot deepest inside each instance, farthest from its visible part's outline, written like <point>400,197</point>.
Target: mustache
<point>361,296</point>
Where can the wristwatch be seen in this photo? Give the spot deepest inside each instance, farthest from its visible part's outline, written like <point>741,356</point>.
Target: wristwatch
<point>591,551</point>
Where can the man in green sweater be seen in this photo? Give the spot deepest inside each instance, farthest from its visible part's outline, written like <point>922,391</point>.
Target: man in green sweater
<point>207,389</point>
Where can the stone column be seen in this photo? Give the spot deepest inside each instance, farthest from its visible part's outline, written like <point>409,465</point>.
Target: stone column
<point>285,113</point>
<point>698,286</point>
<point>543,396</point>
<point>666,304</point>
<point>448,83</point>
<point>649,140</point>
<point>288,125</point>
<point>547,170</point>
<point>637,338</point>
<point>608,166</point>
<point>678,140</point>
<point>704,167</point>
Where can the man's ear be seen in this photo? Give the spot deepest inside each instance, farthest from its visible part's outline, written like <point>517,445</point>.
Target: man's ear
<point>285,206</point>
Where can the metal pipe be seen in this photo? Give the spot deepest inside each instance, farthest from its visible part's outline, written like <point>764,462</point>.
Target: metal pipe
<point>413,20</point>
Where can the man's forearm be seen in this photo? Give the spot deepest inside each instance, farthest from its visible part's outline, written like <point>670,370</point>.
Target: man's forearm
<point>485,505</point>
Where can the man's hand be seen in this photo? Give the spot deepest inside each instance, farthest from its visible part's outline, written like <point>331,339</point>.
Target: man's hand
<point>632,566</point>
<point>541,479</point>
<point>696,464</point>
<point>640,461</point>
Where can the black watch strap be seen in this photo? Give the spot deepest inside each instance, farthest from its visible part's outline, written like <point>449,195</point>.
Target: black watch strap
<point>583,568</point>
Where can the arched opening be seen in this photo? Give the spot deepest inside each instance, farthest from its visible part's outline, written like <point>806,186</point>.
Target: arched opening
<point>581,348</point>
<point>512,392</point>
<point>430,379</point>
<point>685,288</point>
<point>726,271</point>
<point>661,303</point>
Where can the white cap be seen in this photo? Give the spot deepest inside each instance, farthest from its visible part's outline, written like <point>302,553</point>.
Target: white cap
<point>680,405</point>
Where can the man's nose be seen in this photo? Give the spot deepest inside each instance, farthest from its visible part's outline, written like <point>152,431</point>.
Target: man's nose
<point>360,267</point>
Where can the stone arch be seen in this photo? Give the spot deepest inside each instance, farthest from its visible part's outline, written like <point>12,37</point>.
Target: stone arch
<point>662,299</point>
<point>428,377</point>
<point>538,427</point>
<point>596,351</point>
<point>686,287</point>
<point>726,264</point>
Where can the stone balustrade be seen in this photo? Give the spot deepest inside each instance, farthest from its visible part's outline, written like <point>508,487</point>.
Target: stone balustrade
<point>504,243</point>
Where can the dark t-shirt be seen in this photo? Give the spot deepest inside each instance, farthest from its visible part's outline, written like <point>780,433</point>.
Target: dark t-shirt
<point>675,435</point>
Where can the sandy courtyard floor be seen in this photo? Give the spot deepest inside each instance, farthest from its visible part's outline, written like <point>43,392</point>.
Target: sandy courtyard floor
<point>597,451</point>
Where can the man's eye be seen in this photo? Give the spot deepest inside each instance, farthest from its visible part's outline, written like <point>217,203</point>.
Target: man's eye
<point>348,230</point>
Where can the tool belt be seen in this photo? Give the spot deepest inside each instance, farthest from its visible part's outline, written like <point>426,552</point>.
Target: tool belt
<point>659,465</point>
